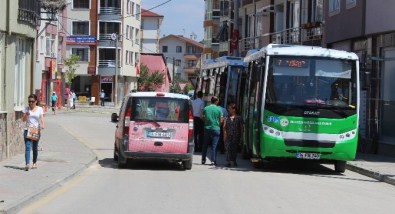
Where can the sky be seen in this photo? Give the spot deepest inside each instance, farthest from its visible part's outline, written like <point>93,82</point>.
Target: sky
<point>181,17</point>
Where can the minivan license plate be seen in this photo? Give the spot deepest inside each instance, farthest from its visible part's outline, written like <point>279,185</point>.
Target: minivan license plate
<point>159,134</point>
<point>311,156</point>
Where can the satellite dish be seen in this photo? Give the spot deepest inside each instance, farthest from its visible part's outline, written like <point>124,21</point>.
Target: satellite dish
<point>113,36</point>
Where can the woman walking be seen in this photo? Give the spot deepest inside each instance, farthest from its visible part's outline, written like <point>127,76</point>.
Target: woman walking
<point>233,129</point>
<point>33,115</point>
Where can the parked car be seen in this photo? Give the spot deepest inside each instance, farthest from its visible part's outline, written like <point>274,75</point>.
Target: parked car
<point>154,125</point>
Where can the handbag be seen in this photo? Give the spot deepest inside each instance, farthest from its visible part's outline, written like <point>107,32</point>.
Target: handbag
<point>33,133</point>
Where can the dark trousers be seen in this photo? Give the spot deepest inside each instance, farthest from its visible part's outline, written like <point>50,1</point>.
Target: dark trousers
<point>211,137</point>
<point>102,101</point>
<point>198,127</point>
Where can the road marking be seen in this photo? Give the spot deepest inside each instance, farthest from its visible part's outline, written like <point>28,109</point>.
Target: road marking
<point>54,194</point>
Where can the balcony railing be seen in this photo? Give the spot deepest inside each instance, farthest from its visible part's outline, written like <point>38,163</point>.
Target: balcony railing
<point>29,11</point>
<point>105,36</point>
<point>108,63</point>
<point>110,11</point>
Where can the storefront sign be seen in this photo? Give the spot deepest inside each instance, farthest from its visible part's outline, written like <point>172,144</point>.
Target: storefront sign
<point>81,40</point>
<point>108,79</point>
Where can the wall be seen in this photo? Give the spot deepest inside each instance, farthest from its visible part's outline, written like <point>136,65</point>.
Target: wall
<point>381,16</point>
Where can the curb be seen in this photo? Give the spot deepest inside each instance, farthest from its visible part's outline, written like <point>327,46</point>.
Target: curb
<point>372,174</point>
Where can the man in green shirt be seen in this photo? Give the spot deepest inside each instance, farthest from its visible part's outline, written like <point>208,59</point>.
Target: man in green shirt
<point>212,116</point>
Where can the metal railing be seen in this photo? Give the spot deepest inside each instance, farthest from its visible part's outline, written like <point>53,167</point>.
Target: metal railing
<point>29,11</point>
<point>297,35</point>
<point>108,63</point>
<point>110,11</point>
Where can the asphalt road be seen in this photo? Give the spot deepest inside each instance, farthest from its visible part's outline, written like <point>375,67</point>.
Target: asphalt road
<point>161,187</point>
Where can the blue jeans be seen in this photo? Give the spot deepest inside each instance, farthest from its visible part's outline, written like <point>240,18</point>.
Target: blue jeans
<point>28,147</point>
<point>211,136</point>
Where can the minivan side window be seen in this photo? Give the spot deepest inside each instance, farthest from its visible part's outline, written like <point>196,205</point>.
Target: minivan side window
<point>160,109</point>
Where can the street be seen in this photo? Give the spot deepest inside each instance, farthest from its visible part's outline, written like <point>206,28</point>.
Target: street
<point>161,187</point>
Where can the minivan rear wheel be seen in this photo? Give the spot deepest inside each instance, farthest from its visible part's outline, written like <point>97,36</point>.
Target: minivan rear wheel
<point>187,164</point>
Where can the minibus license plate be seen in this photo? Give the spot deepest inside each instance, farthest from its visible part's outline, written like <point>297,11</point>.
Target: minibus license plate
<point>159,134</point>
<point>304,155</point>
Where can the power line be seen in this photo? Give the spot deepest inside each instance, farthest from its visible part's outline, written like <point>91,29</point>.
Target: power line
<point>132,15</point>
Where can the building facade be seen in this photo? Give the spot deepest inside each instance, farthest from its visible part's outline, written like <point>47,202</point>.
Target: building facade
<point>18,23</point>
<point>105,34</point>
<point>150,31</point>
<point>212,28</point>
<point>183,55</point>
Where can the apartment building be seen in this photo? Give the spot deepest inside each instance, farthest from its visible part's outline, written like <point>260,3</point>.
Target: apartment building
<point>183,55</point>
<point>362,27</point>
<point>105,34</point>
<point>212,28</point>
<point>18,23</point>
<point>150,27</point>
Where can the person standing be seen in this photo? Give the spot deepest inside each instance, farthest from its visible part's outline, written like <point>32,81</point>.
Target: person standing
<point>197,107</point>
<point>233,129</point>
<point>213,117</point>
<point>54,99</point>
<point>33,115</point>
<point>102,95</point>
<point>221,143</point>
<point>71,100</point>
<point>74,98</point>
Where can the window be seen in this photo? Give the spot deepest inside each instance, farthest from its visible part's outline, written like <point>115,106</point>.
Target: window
<point>177,62</point>
<point>334,7</point>
<point>128,7</point>
<point>21,48</point>
<point>80,28</point>
<point>137,36</point>
<point>127,32</point>
<point>164,49</point>
<point>131,29</point>
<point>81,4</point>
<point>50,45</point>
<point>191,63</point>
<point>131,56</point>
<point>83,53</point>
<point>132,9</point>
<point>317,10</point>
<point>179,49</point>
<point>192,49</point>
<point>127,58</point>
<point>137,13</point>
<point>351,3</point>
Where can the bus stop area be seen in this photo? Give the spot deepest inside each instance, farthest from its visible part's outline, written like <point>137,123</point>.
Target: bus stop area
<point>19,188</point>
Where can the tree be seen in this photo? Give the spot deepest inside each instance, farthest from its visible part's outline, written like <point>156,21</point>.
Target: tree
<point>72,66</point>
<point>149,81</point>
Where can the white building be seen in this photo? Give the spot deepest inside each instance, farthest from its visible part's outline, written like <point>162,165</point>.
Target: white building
<point>93,26</point>
<point>150,26</point>
<point>182,54</point>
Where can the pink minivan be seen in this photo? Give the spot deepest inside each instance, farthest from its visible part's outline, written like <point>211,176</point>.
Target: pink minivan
<point>154,125</point>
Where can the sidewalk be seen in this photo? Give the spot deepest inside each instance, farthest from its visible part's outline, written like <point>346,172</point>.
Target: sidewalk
<point>381,168</point>
<point>63,158</point>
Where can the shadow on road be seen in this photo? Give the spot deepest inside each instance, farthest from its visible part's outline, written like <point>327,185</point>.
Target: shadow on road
<point>155,165</point>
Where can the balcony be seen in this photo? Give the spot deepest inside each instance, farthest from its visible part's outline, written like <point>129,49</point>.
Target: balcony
<point>29,12</point>
<point>110,10</point>
<point>106,64</point>
<point>106,29</point>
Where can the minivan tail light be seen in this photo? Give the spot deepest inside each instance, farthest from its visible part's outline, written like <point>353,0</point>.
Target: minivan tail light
<point>128,114</point>
<point>190,126</point>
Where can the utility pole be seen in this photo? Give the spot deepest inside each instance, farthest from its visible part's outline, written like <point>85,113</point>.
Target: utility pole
<point>174,80</point>
<point>235,33</point>
<point>115,37</point>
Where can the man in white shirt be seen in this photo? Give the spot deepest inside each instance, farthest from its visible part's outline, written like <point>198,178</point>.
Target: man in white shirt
<point>102,95</point>
<point>198,124</point>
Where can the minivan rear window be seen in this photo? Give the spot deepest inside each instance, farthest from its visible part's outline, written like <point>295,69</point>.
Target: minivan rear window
<point>163,109</point>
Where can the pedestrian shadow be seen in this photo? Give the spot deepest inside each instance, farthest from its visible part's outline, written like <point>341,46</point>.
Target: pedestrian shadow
<point>15,167</point>
<point>153,165</point>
